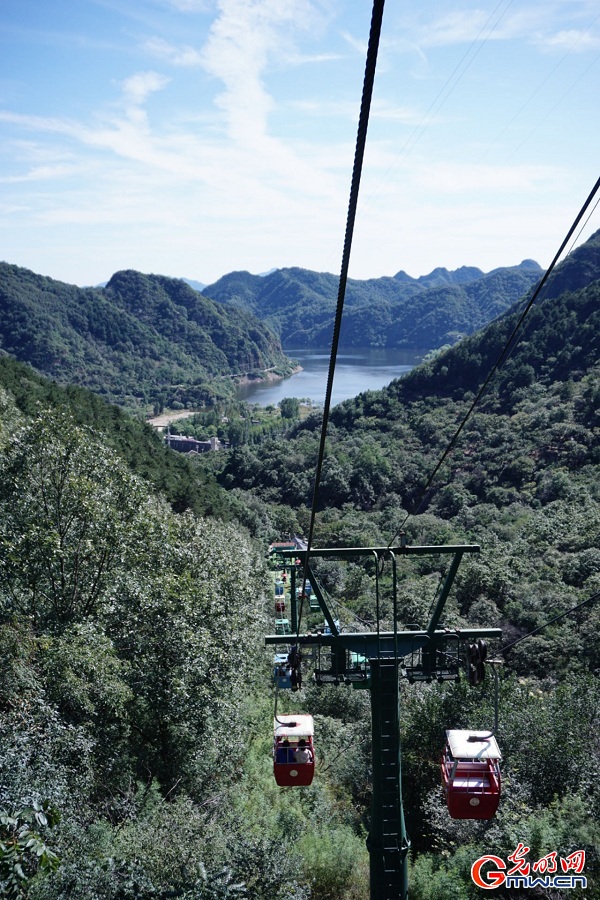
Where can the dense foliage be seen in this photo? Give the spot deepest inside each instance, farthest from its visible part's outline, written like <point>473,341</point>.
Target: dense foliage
<point>143,341</point>
<point>521,481</point>
<point>144,451</point>
<point>425,313</point>
<point>135,714</point>
<point>121,626</point>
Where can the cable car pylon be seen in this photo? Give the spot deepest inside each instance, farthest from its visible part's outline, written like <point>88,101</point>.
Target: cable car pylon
<point>379,660</point>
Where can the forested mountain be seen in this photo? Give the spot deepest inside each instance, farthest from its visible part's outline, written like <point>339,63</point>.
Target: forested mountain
<point>136,696</point>
<point>520,480</point>
<point>140,447</point>
<point>425,312</point>
<point>139,341</point>
<point>559,345</point>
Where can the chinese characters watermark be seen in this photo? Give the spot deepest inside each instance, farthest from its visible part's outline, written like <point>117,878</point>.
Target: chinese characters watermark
<point>551,871</point>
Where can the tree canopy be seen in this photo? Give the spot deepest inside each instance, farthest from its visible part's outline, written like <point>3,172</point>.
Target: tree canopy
<point>142,341</point>
<point>398,311</point>
<point>135,692</point>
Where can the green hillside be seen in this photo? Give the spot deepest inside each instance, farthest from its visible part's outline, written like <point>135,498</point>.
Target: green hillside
<point>522,483</point>
<point>427,312</point>
<point>136,696</point>
<point>135,693</point>
<point>142,340</point>
<point>140,447</point>
<point>405,425</point>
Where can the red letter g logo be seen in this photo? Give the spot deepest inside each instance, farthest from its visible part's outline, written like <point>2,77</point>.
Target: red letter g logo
<point>493,878</point>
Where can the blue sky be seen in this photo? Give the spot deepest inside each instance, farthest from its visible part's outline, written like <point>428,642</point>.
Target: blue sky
<point>193,138</point>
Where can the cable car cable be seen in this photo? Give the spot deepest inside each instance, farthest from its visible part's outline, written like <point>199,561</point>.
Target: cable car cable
<point>506,351</point>
<point>583,224</point>
<point>277,719</point>
<point>580,36</point>
<point>474,49</point>
<point>484,737</point>
<point>555,619</point>
<point>361,137</point>
<point>529,634</point>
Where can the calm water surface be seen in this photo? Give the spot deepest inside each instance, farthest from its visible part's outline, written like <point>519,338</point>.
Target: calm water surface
<point>355,371</point>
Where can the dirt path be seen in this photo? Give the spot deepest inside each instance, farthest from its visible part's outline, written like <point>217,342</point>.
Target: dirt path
<point>166,418</point>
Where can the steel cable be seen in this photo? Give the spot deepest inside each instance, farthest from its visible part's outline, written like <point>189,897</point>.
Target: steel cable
<point>361,138</point>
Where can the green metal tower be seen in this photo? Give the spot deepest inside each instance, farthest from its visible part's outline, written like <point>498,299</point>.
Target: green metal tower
<point>378,660</point>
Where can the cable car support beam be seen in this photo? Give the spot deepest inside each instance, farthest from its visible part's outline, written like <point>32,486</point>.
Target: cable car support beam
<point>414,654</point>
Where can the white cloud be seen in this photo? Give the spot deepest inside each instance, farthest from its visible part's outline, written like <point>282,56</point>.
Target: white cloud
<point>41,173</point>
<point>572,41</point>
<point>359,45</point>
<point>137,88</point>
<point>185,57</point>
<point>37,123</point>
<point>536,24</point>
<point>241,42</point>
<point>455,28</point>
<point>304,59</point>
<point>467,179</point>
<point>135,91</point>
<point>9,209</point>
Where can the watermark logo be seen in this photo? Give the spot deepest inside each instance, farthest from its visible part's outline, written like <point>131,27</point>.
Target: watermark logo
<point>551,871</point>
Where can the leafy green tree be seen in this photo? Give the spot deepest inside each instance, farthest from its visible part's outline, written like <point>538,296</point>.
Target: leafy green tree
<point>23,849</point>
<point>290,407</point>
<point>86,680</point>
<point>188,619</point>
<point>69,511</point>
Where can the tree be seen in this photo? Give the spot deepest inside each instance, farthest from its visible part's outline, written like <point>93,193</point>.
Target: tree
<point>69,513</point>
<point>290,408</point>
<point>23,850</point>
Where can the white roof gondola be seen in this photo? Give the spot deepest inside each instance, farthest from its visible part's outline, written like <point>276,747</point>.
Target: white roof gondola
<point>298,726</point>
<point>486,747</point>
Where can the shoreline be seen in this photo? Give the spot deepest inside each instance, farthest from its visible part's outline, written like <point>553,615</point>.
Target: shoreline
<point>165,419</point>
<point>267,375</point>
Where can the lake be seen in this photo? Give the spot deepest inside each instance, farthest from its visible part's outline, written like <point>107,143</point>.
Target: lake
<point>355,371</point>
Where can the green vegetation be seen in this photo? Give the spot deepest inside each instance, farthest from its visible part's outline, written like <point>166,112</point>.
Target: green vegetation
<point>23,851</point>
<point>522,482</point>
<point>182,483</point>
<point>135,690</point>
<point>143,341</point>
<point>424,313</point>
<point>135,712</point>
<point>122,674</point>
<point>238,423</point>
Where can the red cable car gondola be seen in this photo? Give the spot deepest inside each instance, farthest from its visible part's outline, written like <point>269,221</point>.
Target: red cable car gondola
<point>293,750</point>
<point>471,774</point>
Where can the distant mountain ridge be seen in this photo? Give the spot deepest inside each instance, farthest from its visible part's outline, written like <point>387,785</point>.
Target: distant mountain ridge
<point>560,339</point>
<point>153,340</point>
<point>196,285</point>
<point>535,427</point>
<point>441,276</point>
<point>142,339</point>
<point>399,311</point>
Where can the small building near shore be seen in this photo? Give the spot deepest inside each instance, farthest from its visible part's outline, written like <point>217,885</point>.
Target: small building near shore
<point>183,444</point>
